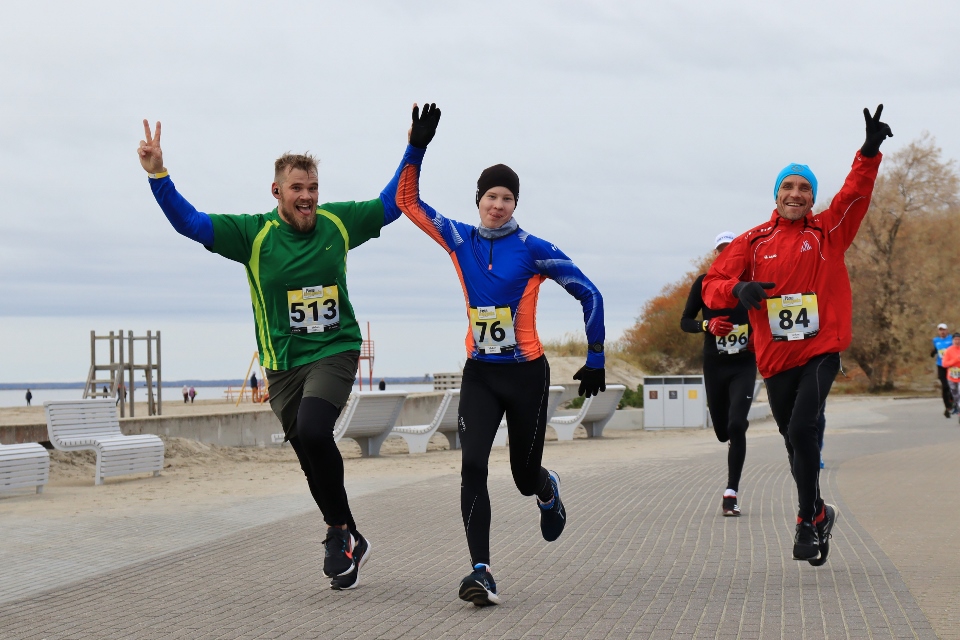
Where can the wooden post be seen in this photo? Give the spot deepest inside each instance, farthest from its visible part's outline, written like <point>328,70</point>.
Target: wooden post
<point>130,368</point>
<point>120,372</point>
<point>148,374</point>
<point>159,385</point>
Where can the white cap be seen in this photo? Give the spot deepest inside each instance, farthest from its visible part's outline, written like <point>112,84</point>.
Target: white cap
<point>941,326</point>
<point>724,237</point>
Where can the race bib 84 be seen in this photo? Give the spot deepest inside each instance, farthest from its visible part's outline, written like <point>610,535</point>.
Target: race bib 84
<point>793,316</point>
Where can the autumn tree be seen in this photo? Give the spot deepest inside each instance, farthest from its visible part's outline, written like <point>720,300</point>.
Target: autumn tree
<point>655,341</point>
<point>902,263</point>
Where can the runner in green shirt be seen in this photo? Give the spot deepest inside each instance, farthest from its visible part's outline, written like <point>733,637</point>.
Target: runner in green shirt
<point>295,259</point>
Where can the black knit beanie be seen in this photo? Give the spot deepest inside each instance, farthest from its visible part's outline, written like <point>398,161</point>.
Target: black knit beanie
<point>499,175</point>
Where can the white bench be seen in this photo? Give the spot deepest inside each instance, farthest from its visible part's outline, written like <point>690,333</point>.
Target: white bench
<point>594,415</point>
<point>368,418</point>
<point>418,436</point>
<point>23,465</point>
<point>94,425</point>
<point>553,402</point>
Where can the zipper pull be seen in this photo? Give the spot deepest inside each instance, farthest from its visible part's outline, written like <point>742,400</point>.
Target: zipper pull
<point>490,266</point>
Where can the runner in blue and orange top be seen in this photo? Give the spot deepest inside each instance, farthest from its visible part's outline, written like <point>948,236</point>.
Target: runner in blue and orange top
<point>501,267</point>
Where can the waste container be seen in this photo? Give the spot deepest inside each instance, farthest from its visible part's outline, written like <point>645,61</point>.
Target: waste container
<point>672,402</point>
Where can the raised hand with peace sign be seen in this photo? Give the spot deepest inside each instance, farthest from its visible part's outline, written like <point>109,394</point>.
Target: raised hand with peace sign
<point>151,156</point>
<point>877,132</point>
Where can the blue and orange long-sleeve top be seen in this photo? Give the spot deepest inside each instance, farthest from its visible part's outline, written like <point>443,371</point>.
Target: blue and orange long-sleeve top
<point>501,278</point>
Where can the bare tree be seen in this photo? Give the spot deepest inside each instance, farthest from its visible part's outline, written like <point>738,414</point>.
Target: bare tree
<point>903,262</point>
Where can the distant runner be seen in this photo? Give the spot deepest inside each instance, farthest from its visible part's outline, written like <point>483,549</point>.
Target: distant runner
<point>501,267</point>
<point>295,258</point>
<point>940,343</point>
<point>790,273</point>
<point>729,373</point>
<point>951,362</point>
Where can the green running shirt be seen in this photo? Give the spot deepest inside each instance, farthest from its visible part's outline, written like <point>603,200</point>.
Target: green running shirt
<point>298,282</point>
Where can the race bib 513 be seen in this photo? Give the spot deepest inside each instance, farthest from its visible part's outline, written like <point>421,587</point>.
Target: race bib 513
<point>314,309</point>
<point>492,329</point>
<point>793,316</point>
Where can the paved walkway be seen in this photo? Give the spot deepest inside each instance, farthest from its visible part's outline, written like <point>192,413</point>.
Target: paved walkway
<point>645,554</point>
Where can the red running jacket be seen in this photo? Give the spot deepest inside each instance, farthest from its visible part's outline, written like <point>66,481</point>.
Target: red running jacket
<point>801,257</point>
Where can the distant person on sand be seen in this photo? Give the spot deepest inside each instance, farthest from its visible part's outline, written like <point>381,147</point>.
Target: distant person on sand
<point>383,385</point>
<point>254,388</point>
<point>193,394</point>
<point>29,397</point>
<point>121,393</point>
<point>186,394</point>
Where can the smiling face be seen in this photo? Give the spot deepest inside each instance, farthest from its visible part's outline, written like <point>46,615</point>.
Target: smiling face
<point>496,207</point>
<point>297,194</point>
<point>795,197</point>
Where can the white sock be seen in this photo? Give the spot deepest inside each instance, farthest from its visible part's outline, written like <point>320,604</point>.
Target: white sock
<point>729,493</point>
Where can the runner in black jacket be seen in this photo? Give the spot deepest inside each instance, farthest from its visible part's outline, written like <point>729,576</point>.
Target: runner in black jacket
<point>729,372</point>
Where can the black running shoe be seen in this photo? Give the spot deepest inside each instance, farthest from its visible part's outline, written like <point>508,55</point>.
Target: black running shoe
<point>730,506</point>
<point>806,544</point>
<point>479,587</point>
<point>554,517</point>
<point>350,580</point>
<point>946,413</point>
<point>338,553</point>
<point>824,532</point>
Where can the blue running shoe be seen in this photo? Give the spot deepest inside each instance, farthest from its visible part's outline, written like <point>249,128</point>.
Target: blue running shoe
<point>479,587</point>
<point>553,517</point>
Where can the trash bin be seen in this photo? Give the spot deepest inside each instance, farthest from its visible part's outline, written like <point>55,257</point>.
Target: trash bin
<point>672,402</point>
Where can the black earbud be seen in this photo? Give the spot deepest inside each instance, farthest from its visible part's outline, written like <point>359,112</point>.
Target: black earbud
<point>276,192</point>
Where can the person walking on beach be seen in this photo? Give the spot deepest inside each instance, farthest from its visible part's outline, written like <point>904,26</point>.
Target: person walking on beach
<point>501,267</point>
<point>193,394</point>
<point>729,374</point>
<point>307,334</point>
<point>29,397</point>
<point>186,394</point>
<point>941,342</point>
<point>789,273</point>
<point>254,388</point>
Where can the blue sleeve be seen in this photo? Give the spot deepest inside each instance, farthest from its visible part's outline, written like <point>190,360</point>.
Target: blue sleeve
<point>554,264</point>
<point>406,184</point>
<point>186,220</point>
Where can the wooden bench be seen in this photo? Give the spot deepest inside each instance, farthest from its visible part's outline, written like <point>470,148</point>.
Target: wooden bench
<point>418,436</point>
<point>368,418</point>
<point>23,465</point>
<point>594,415</point>
<point>79,425</point>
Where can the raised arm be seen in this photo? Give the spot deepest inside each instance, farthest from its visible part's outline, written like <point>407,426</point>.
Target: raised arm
<point>446,232</point>
<point>841,220</point>
<point>184,217</point>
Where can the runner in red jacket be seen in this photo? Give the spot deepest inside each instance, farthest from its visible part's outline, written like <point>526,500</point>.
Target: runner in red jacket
<point>790,274</point>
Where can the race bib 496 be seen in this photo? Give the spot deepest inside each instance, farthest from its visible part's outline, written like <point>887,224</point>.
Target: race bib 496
<point>314,309</point>
<point>793,316</point>
<point>735,341</point>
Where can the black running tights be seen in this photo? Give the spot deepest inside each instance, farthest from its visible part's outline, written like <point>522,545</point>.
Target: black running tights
<point>488,391</point>
<point>321,461</point>
<point>945,387</point>
<point>729,396</point>
<point>797,397</point>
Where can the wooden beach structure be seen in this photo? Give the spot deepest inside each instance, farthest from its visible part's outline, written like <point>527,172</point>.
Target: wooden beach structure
<point>107,379</point>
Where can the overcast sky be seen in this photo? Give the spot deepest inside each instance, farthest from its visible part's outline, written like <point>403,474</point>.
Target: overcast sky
<point>639,131</point>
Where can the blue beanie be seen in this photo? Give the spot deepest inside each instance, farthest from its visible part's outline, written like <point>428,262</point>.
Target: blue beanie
<point>796,170</point>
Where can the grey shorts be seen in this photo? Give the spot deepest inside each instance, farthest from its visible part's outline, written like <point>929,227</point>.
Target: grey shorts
<point>330,378</point>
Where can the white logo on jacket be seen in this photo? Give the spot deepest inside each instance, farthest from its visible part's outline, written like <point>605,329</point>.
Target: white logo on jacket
<point>806,247</point>
<point>770,257</point>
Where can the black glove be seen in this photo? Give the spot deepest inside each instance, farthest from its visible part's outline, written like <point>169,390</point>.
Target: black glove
<point>424,125</point>
<point>877,132</point>
<point>752,293</point>
<point>592,381</point>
